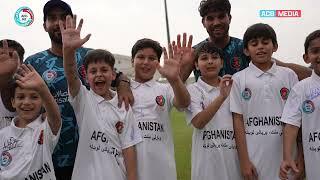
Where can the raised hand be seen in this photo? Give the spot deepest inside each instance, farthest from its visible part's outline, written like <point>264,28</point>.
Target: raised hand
<point>171,65</point>
<point>7,60</point>
<point>225,85</point>
<point>185,48</point>
<point>28,78</point>
<point>71,35</point>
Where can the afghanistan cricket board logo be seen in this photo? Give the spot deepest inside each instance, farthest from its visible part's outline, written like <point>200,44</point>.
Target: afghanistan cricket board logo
<point>246,94</point>
<point>284,92</point>
<point>308,106</point>
<point>119,126</point>
<point>160,100</point>
<point>5,159</point>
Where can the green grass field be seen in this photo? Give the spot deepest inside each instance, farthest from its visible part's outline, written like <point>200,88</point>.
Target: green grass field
<point>182,142</point>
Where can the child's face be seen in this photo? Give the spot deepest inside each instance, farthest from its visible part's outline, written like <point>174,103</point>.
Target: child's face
<point>99,76</point>
<point>260,50</point>
<point>313,55</point>
<point>145,64</point>
<point>209,64</point>
<point>27,104</point>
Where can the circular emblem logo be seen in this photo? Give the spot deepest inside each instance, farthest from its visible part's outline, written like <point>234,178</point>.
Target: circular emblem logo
<point>119,126</point>
<point>308,106</point>
<point>49,75</point>
<point>24,16</point>
<point>236,63</point>
<point>160,100</point>
<point>284,92</point>
<point>246,94</point>
<point>5,159</point>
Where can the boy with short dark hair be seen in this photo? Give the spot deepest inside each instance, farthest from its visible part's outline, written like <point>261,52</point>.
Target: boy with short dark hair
<point>214,154</point>
<point>153,103</point>
<point>257,98</point>
<point>107,134</point>
<point>302,110</point>
<point>27,144</point>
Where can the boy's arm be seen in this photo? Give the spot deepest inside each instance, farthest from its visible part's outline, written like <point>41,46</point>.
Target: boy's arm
<point>300,157</point>
<point>202,118</point>
<point>247,168</point>
<point>301,71</point>
<point>289,137</point>
<point>124,91</point>
<point>130,160</point>
<point>28,78</point>
<point>8,64</point>
<point>71,41</point>
<point>171,70</point>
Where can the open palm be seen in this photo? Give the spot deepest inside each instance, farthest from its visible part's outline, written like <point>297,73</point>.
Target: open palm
<point>171,65</point>
<point>186,50</point>
<point>28,78</point>
<point>6,59</point>
<point>71,35</point>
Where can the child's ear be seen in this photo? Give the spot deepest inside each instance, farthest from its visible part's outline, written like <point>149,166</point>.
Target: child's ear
<point>306,58</point>
<point>246,52</point>
<point>114,75</point>
<point>196,65</point>
<point>275,48</point>
<point>132,62</point>
<point>13,103</point>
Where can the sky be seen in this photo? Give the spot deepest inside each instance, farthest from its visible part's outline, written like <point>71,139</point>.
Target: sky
<point>116,25</point>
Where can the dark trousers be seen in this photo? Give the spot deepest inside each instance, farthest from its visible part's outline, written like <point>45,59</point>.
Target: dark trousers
<point>63,173</point>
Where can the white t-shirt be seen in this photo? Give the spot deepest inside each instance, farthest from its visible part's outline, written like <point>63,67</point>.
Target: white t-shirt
<point>26,152</point>
<point>153,102</point>
<point>214,154</point>
<point>5,115</point>
<point>260,97</point>
<point>302,109</point>
<point>104,130</point>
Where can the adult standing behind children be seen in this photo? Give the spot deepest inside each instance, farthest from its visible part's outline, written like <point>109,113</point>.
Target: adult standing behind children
<point>216,19</point>
<point>49,64</point>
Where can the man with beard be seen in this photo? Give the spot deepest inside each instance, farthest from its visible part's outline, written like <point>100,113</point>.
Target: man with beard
<point>216,19</point>
<point>49,64</point>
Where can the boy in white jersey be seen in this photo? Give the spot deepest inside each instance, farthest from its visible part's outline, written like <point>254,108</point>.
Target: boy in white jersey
<point>257,98</point>
<point>153,102</point>
<point>27,144</point>
<point>214,154</point>
<point>7,112</point>
<point>302,109</point>
<point>107,134</point>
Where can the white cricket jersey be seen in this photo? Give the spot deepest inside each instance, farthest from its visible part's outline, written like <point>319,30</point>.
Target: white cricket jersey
<point>104,130</point>
<point>214,154</point>
<point>5,115</point>
<point>302,109</point>
<point>260,97</point>
<point>153,102</point>
<point>26,152</point>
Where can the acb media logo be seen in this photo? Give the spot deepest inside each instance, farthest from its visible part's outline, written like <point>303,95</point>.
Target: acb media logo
<point>280,13</point>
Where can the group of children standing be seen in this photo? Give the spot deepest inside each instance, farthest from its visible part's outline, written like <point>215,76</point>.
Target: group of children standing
<point>245,125</point>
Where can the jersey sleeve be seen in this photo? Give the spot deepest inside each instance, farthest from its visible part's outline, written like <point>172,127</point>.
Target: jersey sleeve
<point>78,104</point>
<point>292,112</point>
<point>196,105</point>
<point>235,96</point>
<point>130,134</point>
<point>50,138</point>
